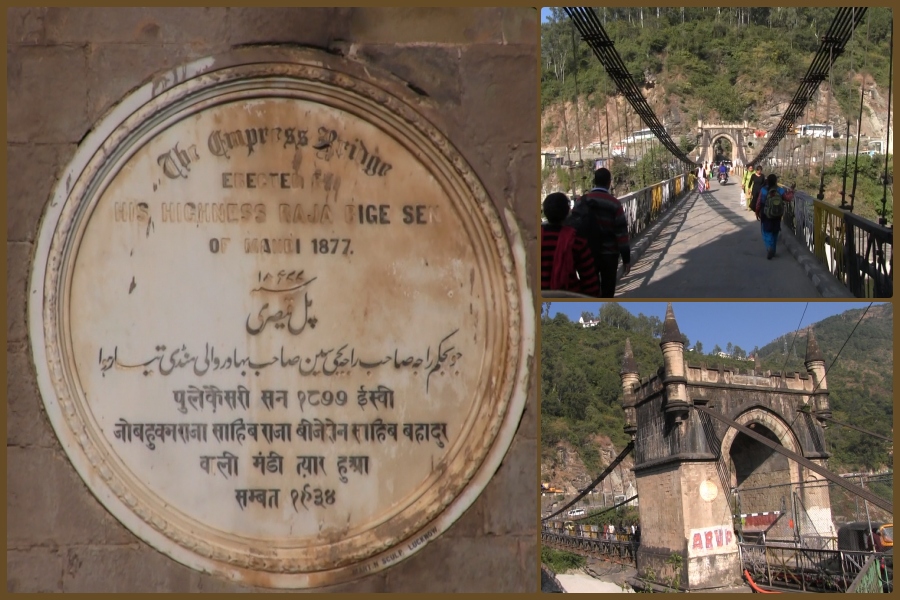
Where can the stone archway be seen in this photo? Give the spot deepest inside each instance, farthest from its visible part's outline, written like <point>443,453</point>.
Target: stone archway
<point>731,155</point>
<point>732,133</point>
<point>764,481</point>
<point>753,464</point>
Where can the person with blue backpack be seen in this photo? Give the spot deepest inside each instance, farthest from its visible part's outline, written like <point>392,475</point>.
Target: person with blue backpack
<point>771,205</point>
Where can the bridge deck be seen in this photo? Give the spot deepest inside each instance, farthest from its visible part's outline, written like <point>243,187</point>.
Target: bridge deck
<point>711,247</point>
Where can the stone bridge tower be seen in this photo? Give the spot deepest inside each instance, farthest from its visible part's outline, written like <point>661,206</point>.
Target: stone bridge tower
<point>688,466</point>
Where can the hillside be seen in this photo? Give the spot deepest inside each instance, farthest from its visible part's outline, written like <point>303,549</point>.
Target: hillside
<point>581,414</point>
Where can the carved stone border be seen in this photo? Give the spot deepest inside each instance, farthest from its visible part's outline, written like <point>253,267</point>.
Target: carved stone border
<point>504,272</point>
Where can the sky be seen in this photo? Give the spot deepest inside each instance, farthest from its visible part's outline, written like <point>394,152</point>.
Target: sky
<point>744,324</point>
<point>545,13</point>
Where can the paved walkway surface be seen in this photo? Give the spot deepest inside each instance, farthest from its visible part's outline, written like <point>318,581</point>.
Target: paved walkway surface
<point>711,247</point>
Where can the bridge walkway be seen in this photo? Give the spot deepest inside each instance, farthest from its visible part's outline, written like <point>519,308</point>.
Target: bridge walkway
<point>711,246</point>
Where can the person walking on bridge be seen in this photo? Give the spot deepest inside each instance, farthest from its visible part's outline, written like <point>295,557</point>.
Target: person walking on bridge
<point>757,182</point>
<point>770,208</point>
<point>566,261</point>
<point>745,185</point>
<point>599,217</point>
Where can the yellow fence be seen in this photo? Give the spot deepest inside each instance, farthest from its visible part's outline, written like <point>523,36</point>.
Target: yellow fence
<point>829,239</point>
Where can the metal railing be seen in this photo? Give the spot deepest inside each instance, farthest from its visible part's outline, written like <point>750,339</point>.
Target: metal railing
<point>803,569</point>
<point>869,580</point>
<point>858,252</point>
<point>644,207</point>
<point>619,546</point>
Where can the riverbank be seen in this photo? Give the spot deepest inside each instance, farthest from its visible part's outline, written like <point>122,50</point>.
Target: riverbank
<point>582,583</point>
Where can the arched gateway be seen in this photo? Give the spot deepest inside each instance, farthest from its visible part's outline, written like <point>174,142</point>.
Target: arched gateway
<point>693,473</point>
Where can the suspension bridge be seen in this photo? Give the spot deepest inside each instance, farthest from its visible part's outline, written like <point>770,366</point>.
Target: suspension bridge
<point>732,483</point>
<point>687,244</point>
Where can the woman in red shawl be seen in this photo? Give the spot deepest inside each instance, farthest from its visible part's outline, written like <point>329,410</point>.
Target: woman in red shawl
<point>566,262</point>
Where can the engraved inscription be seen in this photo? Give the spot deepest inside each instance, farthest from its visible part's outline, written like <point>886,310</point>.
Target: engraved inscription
<point>291,323</point>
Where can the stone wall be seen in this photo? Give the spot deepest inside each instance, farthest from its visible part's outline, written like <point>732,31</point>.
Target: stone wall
<point>475,73</point>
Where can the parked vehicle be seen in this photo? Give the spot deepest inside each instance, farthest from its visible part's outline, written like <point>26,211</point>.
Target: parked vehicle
<point>860,536</point>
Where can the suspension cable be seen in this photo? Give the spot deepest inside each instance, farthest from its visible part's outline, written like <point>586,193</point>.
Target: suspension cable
<point>844,204</point>
<point>777,447</point>
<point>597,481</point>
<point>887,150</point>
<point>593,33</point>
<point>862,89</point>
<point>830,48</point>
<point>821,194</point>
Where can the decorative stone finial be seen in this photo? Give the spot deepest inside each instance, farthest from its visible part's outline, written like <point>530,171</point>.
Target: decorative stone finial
<point>628,363</point>
<point>670,327</point>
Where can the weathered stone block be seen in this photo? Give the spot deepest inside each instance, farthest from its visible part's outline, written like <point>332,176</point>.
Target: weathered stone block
<point>455,565</point>
<point>432,70</point>
<point>511,497</point>
<point>18,265</point>
<point>135,25</point>
<point>530,562</point>
<point>499,95</point>
<point>47,503</point>
<point>25,25</point>
<point>94,569</point>
<point>201,582</point>
<point>528,425</point>
<point>522,182</point>
<point>431,25</point>
<point>35,570</point>
<point>520,26</point>
<point>38,112</point>
<point>31,175</point>
<point>317,27</point>
<point>26,422</point>
<point>116,69</point>
<point>470,524</point>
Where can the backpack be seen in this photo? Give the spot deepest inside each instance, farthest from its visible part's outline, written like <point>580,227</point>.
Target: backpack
<point>774,208</point>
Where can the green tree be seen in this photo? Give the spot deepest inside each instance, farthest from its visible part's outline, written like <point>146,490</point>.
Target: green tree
<point>698,347</point>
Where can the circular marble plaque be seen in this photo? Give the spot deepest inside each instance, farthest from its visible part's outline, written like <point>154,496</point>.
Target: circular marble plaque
<point>280,329</point>
<point>709,491</point>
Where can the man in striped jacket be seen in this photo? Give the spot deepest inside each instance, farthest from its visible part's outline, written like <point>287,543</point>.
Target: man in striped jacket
<point>600,218</point>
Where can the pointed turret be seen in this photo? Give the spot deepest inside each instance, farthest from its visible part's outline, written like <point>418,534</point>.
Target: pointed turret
<point>670,327</point>
<point>674,379</point>
<point>629,375</point>
<point>815,366</point>
<point>628,364</point>
<point>812,347</point>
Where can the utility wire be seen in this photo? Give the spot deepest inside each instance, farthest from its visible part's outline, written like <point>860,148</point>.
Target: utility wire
<point>796,332</point>
<point>867,432</point>
<point>842,348</point>
<point>606,510</point>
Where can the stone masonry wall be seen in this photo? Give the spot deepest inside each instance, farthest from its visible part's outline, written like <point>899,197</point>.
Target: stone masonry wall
<point>475,72</point>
